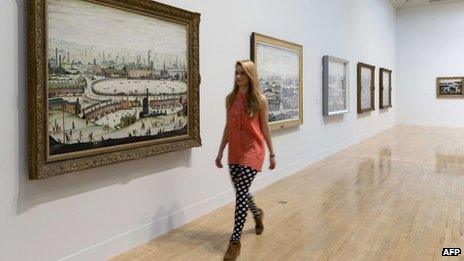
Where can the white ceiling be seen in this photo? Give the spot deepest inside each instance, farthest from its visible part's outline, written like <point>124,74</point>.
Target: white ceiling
<point>414,3</point>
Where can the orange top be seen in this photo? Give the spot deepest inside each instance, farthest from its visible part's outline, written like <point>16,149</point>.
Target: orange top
<point>246,141</point>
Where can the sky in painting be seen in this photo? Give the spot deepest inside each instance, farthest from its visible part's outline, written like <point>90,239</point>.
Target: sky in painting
<point>92,24</point>
<point>277,61</point>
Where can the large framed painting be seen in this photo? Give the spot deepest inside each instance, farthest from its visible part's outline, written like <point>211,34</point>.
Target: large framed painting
<point>385,88</point>
<point>450,87</point>
<point>110,81</point>
<point>335,87</point>
<point>366,87</point>
<point>280,70</point>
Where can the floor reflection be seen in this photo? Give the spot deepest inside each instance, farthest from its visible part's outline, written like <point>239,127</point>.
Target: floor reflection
<point>364,181</point>
<point>385,160</point>
<point>449,164</point>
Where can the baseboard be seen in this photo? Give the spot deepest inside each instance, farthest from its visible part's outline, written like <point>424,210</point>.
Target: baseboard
<point>141,234</point>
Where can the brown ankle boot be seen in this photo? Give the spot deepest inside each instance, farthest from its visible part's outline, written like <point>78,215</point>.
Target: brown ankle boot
<point>259,227</point>
<point>233,251</point>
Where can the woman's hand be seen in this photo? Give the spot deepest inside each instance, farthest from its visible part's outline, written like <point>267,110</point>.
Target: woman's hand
<point>272,163</point>
<point>218,161</point>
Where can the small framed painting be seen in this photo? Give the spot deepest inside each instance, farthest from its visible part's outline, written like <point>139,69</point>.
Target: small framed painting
<point>366,87</point>
<point>335,87</point>
<point>280,70</point>
<point>385,88</point>
<point>450,87</point>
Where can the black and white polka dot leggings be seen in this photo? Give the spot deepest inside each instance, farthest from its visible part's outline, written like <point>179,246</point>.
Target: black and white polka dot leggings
<point>242,177</point>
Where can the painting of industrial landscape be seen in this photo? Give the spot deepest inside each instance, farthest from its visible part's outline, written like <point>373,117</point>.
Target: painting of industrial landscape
<point>337,86</point>
<point>278,70</point>
<point>334,86</point>
<point>385,87</point>
<point>366,80</point>
<point>450,87</point>
<point>114,77</point>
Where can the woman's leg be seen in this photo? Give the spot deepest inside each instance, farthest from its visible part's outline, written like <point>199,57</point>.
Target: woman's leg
<point>252,206</point>
<point>234,170</point>
<point>242,178</point>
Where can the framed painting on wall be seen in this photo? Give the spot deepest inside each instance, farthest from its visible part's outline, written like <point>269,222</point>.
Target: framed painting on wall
<point>110,81</point>
<point>450,87</point>
<point>385,88</point>
<point>280,70</point>
<point>335,86</point>
<point>366,87</point>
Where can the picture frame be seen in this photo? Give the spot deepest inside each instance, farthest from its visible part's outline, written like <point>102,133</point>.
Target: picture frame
<point>366,87</point>
<point>450,87</point>
<point>96,96</point>
<point>385,88</point>
<point>335,86</point>
<point>280,68</point>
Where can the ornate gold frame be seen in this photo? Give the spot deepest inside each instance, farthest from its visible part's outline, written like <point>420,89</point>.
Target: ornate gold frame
<point>255,38</point>
<point>40,165</point>
<point>372,69</point>
<point>381,87</point>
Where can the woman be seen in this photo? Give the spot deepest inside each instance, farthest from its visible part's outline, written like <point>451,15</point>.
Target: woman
<point>246,131</point>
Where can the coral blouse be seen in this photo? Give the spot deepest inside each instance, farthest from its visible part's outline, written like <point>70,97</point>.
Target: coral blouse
<point>245,138</point>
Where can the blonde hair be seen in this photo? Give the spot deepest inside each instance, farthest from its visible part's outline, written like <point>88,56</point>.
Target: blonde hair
<point>253,101</point>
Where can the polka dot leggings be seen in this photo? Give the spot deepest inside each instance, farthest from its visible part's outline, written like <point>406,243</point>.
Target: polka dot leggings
<point>242,177</point>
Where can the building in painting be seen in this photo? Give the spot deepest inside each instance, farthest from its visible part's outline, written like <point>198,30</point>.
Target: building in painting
<point>61,104</point>
<point>62,86</point>
<point>114,73</point>
<point>100,110</point>
<point>140,73</point>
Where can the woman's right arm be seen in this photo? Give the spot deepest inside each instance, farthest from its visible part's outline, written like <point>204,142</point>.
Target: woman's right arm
<point>224,140</point>
<point>222,147</point>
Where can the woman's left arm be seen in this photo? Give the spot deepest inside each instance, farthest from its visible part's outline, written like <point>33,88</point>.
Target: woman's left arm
<point>265,129</point>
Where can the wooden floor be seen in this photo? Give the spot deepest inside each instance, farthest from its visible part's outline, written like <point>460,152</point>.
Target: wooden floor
<point>396,196</point>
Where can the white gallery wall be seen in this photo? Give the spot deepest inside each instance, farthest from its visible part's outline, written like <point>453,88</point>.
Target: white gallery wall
<point>430,44</point>
<point>98,213</point>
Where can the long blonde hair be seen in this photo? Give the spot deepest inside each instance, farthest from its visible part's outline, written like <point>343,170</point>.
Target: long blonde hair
<point>253,101</point>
